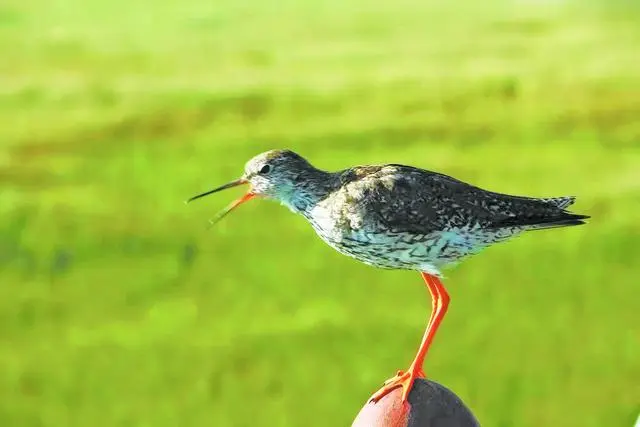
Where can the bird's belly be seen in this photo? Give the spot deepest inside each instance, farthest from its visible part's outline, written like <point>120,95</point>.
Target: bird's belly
<point>385,250</point>
<point>427,253</point>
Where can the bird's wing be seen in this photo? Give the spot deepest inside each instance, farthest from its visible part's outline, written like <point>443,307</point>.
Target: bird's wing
<point>408,199</point>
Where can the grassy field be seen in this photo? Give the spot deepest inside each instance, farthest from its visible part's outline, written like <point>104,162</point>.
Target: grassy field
<point>119,308</point>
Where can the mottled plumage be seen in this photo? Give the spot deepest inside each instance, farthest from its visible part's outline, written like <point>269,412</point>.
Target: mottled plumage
<point>396,216</point>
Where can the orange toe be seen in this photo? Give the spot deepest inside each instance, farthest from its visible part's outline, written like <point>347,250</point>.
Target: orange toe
<point>402,379</point>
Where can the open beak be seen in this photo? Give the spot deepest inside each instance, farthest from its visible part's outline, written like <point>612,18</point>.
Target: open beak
<point>248,196</point>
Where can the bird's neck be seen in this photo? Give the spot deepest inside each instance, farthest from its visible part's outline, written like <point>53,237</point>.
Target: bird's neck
<point>312,186</point>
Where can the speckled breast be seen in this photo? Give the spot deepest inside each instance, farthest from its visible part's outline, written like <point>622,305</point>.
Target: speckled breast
<point>396,250</point>
<point>383,249</point>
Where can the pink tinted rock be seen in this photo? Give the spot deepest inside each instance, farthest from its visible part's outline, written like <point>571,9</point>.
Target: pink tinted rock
<point>430,405</point>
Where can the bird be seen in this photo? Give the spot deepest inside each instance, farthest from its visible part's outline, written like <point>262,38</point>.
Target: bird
<point>394,216</point>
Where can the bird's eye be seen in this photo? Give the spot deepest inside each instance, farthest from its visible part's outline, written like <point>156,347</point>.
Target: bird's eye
<point>265,169</point>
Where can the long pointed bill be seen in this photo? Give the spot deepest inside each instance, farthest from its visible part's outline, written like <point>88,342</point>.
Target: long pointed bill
<point>232,184</point>
<point>248,196</point>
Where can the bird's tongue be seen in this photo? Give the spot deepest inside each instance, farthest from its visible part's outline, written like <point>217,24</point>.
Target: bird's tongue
<point>248,196</point>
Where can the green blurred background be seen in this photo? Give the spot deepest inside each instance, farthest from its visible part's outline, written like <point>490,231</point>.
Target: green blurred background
<point>120,308</point>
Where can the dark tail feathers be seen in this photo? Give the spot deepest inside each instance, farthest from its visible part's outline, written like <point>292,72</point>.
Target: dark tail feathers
<point>550,213</point>
<point>563,218</point>
<point>563,221</point>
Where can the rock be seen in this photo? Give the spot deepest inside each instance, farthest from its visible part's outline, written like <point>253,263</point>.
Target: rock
<point>430,405</point>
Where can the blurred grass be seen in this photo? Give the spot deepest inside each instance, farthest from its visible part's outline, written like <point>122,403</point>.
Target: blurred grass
<point>118,308</point>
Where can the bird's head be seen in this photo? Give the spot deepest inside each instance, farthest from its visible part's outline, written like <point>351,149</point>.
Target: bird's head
<point>275,174</point>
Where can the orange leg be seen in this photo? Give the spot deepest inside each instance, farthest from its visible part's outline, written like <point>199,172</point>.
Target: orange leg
<point>439,304</point>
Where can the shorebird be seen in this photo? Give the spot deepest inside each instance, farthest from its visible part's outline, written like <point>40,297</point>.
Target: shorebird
<point>398,217</point>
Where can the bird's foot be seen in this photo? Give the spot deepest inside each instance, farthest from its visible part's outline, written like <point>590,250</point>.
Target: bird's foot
<point>402,379</point>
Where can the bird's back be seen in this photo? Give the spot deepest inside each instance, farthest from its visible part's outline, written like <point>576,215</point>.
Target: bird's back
<point>407,199</point>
